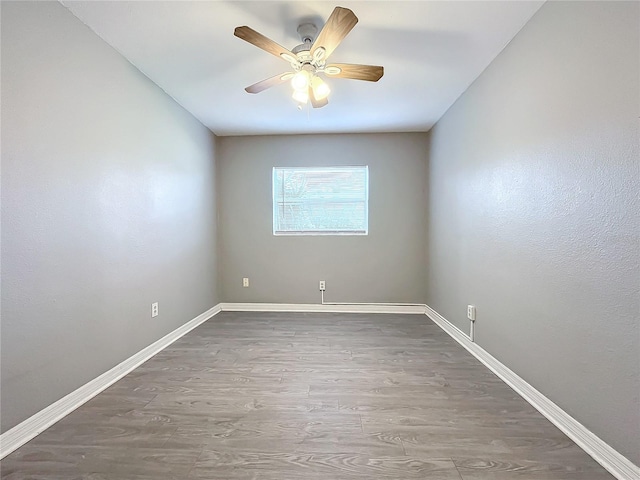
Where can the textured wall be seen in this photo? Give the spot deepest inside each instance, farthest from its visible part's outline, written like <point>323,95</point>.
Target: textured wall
<point>385,266</point>
<point>107,206</point>
<point>533,212</point>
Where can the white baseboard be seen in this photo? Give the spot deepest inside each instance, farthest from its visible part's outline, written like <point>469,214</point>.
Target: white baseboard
<point>313,308</point>
<point>614,462</point>
<point>36,424</point>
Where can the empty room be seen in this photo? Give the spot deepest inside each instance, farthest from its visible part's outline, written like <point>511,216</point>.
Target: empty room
<point>283,240</point>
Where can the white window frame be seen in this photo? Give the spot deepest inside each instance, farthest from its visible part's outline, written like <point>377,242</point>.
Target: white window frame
<point>274,204</point>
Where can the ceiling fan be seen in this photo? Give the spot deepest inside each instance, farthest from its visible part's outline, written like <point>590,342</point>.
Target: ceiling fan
<point>309,59</point>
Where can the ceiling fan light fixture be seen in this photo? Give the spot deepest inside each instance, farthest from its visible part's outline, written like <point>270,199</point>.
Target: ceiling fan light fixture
<point>300,81</point>
<point>300,96</point>
<point>320,89</point>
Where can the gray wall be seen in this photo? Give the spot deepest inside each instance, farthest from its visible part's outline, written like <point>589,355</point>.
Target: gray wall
<point>533,212</point>
<point>107,206</point>
<point>385,266</point>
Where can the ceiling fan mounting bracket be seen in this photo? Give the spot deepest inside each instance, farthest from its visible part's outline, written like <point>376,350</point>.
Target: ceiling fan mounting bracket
<point>307,32</point>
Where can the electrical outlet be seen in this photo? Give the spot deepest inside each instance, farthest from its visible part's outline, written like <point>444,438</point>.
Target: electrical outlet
<point>154,309</point>
<point>322,285</point>
<point>471,312</point>
<point>245,282</point>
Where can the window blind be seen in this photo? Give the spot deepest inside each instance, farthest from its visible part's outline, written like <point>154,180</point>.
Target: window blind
<point>320,201</point>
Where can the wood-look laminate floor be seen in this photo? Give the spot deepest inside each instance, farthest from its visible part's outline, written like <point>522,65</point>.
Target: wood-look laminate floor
<point>265,396</point>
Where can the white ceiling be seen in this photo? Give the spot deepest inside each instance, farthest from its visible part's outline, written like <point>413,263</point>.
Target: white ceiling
<point>431,51</point>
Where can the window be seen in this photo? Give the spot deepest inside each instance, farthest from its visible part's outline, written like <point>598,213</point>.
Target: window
<point>320,201</point>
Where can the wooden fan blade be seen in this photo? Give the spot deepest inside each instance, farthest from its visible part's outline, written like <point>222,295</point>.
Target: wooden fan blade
<point>369,73</point>
<point>317,103</point>
<point>338,25</point>
<point>250,35</point>
<point>269,82</point>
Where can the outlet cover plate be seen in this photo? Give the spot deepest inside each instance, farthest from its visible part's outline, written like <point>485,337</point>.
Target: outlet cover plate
<point>471,312</point>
